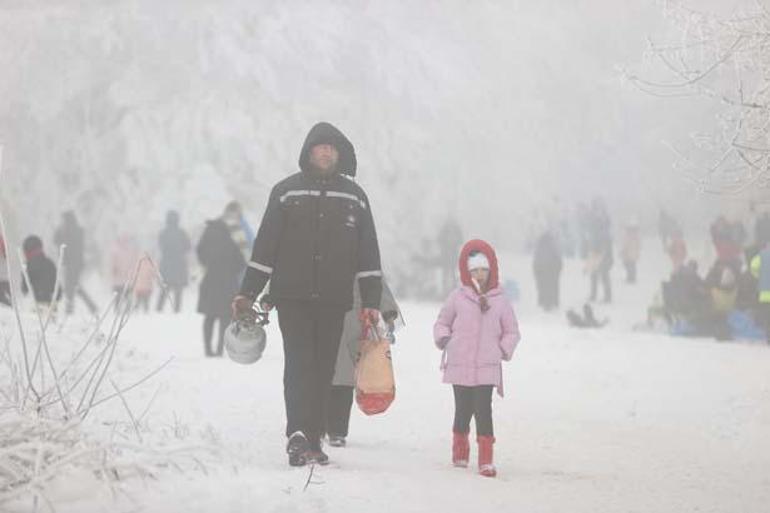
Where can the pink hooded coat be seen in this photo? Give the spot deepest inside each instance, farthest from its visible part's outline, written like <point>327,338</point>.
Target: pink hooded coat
<point>125,255</point>
<point>145,278</point>
<point>478,340</point>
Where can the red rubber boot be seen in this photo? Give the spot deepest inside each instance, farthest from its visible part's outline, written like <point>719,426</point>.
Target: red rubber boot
<point>486,467</point>
<point>461,450</point>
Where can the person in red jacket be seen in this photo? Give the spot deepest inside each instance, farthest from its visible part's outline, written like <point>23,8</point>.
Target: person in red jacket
<point>677,251</point>
<point>39,275</point>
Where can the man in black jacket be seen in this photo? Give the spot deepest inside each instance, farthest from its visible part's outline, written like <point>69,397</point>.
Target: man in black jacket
<point>316,237</point>
<point>41,272</point>
<point>70,234</point>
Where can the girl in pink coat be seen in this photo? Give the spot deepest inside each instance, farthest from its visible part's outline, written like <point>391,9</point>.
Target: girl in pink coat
<point>477,330</point>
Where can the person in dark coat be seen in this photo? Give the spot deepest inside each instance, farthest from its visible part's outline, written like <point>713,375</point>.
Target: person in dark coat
<point>600,258</point>
<point>224,264</point>
<point>240,229</point>
<point>41,272</point>
<point>747,298</point>
<point>688,297</point>
<point>762,231</point>
<point>450,240</point>
<point>667,227</point>
<point>547,265</point>
<point>344,382</point>
<point>5,283</point>
<point>70,234</point>
<point>174,247</point>
<point>726,238</point>
<point>630,252</point>
<point>317,236</point>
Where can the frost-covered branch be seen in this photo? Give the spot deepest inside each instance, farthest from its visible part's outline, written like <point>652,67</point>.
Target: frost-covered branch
<point>725,60</point>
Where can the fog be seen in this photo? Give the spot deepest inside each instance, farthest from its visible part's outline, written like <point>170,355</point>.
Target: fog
<point>485,111</point>
<point>632,344</point>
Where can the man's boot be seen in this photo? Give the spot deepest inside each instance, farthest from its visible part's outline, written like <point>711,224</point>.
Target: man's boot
<point>316,454</point>
<point>298,448</point>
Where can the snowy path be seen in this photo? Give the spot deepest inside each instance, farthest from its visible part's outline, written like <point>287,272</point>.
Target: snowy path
<point>602,421</point>
<point>593,421</point>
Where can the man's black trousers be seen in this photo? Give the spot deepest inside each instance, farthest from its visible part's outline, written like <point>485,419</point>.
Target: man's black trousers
<point>339,409</point>
<point>311,338</point>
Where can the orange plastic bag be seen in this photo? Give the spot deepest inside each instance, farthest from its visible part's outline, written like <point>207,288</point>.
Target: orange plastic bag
<point>375,383</point>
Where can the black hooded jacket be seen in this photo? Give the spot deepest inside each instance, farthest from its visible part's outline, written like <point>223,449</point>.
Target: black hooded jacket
<point>174,246</point>
<point>42,276</point>
<point>70,234</point>
<point>317,234</point>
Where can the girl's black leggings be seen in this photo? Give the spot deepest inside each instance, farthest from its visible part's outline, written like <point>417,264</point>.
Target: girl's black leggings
<point>473,402</point>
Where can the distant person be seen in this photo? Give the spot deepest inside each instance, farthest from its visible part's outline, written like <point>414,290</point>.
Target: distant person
<point>686,296</point>
<point>762,230</point>
<point>760,268</point>
<point>565,236</point>
<point>667,227</point>
<point>677,250</point>
<point>343,384</point>
<point>477,330</point>
<point>41,272</point>
<point>586,320</point>
<point>722,283</point>
<point>726,237</point>
<point>427,274</point>
<point>583,225</point>
<point>70,233</point>
<point>124,258</point>
<point>450,239</point>
<point>223,261</point>
<point>547,266</point>
<point>240,230</point>
<point>174,247</point>
<point>145,281</point>
<point>600,257</point>
<point>5,283</point>
<point>632,247</point>
<point>760,234</point>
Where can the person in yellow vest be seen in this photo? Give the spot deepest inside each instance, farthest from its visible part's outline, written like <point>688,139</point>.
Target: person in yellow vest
<point>760,268</point>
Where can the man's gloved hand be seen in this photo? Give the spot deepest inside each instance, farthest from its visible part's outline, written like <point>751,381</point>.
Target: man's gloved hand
<point>266,303</point>
<point>391,332</point>
<point>369,318</point>
<point>242,306</point>
<point>442,342</point>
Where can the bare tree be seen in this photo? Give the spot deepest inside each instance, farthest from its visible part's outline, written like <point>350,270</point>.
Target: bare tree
<point>725,60</point>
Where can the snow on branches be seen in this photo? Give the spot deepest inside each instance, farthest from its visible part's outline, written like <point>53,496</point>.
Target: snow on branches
<point>50,383</point>
<point>725,60</point>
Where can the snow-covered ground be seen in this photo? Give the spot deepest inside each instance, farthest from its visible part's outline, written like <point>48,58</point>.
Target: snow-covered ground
<point>593,421</point>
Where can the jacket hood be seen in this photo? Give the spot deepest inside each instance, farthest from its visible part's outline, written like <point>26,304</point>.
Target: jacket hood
<point>326,133</point>
<point>483,247</point>
<point>69,218</point>
<point>172,218</point>
<point>32,246</point>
